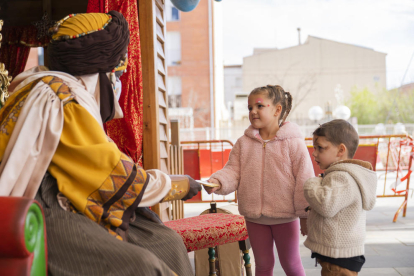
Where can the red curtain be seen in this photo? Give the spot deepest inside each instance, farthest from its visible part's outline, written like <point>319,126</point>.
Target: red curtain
<point>16,45</point>
<point>96,6</point>
<point>127,132</point>
<point>14,58</point>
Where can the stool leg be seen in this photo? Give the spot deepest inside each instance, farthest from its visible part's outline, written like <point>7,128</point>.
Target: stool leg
<point>212,260</point>
<point>244,247</point>
<point>247,264</point>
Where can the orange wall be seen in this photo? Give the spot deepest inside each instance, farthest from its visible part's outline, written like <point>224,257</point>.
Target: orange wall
<point>194,68</point>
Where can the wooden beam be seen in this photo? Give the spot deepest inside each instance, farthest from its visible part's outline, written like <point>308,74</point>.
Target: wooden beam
<point>151,152</point>
<point>175,132</point>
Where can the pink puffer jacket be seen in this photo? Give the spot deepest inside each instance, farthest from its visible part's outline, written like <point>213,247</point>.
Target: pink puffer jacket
<point>268,177</point>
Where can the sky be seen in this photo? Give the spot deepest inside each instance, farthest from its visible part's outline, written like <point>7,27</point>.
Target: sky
<point>386,26</point>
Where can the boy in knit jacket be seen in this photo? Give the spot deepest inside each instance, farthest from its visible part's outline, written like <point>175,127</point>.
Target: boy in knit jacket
<point>339,200</point>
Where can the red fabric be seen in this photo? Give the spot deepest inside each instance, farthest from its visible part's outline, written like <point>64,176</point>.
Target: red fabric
<point>16,45</point>
<point>127,132</point>
<point>209,230</point>
<point>14,58</point>
<point>96,6</point>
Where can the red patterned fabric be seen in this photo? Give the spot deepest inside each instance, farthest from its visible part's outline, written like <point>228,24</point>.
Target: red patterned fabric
<point>16,45</point>
<point>209,230</point>
<point>127,132</point>
<point>96,6</point>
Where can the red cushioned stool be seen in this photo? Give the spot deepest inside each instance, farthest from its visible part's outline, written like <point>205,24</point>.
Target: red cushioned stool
<point>211,230</point>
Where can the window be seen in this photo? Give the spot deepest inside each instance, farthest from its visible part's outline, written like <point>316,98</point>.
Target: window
<point>175,16</point>
<point>172,12</point>
<point>238,82</point>
<point>41,56</point>
<point>173,48</point>
<point>174,91</point>
<point>174,101</point>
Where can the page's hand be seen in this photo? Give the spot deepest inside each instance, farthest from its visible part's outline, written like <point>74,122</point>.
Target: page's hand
<point>195,187</point>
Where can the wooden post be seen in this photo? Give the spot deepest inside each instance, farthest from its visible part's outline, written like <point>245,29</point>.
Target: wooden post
<point>175,164</point>
<point>151,151</point>
<point>155,109</point>
<point>175,132</point>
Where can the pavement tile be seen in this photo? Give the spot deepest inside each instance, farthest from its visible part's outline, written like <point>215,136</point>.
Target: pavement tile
<point>370,251</point>
<point>405,271</point>
<point>378,272</point>
<point>309,272</point>
<point>389,247</point>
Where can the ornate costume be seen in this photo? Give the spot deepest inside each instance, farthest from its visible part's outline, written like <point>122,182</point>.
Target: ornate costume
<point>53,121</point>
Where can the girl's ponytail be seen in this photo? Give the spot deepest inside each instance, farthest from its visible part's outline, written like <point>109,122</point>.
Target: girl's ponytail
<point>288,105</point>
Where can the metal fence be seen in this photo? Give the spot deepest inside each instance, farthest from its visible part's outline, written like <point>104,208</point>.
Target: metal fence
<point>233,133</point>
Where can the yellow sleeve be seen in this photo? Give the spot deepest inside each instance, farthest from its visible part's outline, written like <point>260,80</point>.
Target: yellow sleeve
<point>98,179</point>
<point>84,157</point>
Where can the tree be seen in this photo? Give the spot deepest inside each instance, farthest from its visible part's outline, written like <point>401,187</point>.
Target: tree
<point>401,105</point>
<point>364,106</point>
<point>387,106</point>
<point>201,109</point>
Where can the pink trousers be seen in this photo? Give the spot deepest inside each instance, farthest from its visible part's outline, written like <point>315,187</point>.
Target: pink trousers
<point>286,238</point>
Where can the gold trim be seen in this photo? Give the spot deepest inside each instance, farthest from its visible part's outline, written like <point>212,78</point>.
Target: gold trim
<point>180,186</point>
<point>25,43</point>
<point>4,78</point>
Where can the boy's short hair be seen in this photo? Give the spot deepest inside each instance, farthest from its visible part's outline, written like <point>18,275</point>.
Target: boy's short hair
<point>339,132</point>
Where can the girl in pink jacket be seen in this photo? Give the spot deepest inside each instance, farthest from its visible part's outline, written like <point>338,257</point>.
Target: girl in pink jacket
<point>268,166</point>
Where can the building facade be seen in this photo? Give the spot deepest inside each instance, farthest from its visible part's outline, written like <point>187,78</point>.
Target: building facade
<point>319,72</point>
<point>195,64</point>
<point>233,86</point>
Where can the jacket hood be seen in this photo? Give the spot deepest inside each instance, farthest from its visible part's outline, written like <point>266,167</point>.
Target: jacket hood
<point>288,130</point>
<point>364,176</point>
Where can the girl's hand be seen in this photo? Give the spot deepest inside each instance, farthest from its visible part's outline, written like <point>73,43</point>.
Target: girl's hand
<point>303,226</point>
<point>211,190</point>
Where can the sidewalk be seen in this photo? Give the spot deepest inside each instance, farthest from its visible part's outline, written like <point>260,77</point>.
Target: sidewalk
<point>389,247</point>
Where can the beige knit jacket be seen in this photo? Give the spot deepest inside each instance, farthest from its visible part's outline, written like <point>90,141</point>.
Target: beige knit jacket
<point>339,201</point>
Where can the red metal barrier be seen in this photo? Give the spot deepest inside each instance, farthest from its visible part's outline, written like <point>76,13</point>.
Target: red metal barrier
<point>395,154</point>
<point>212,161</point>
<point>203,158</point>
<point>366,152</point>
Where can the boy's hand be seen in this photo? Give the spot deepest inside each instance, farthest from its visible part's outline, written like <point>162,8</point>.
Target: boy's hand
<point>211,190</point>
<point>303,226</point>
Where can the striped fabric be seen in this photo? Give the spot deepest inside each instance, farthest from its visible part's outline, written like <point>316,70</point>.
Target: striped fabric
<point>78,246</point>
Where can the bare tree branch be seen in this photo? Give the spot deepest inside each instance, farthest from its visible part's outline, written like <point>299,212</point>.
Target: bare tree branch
<point>200,112</point>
